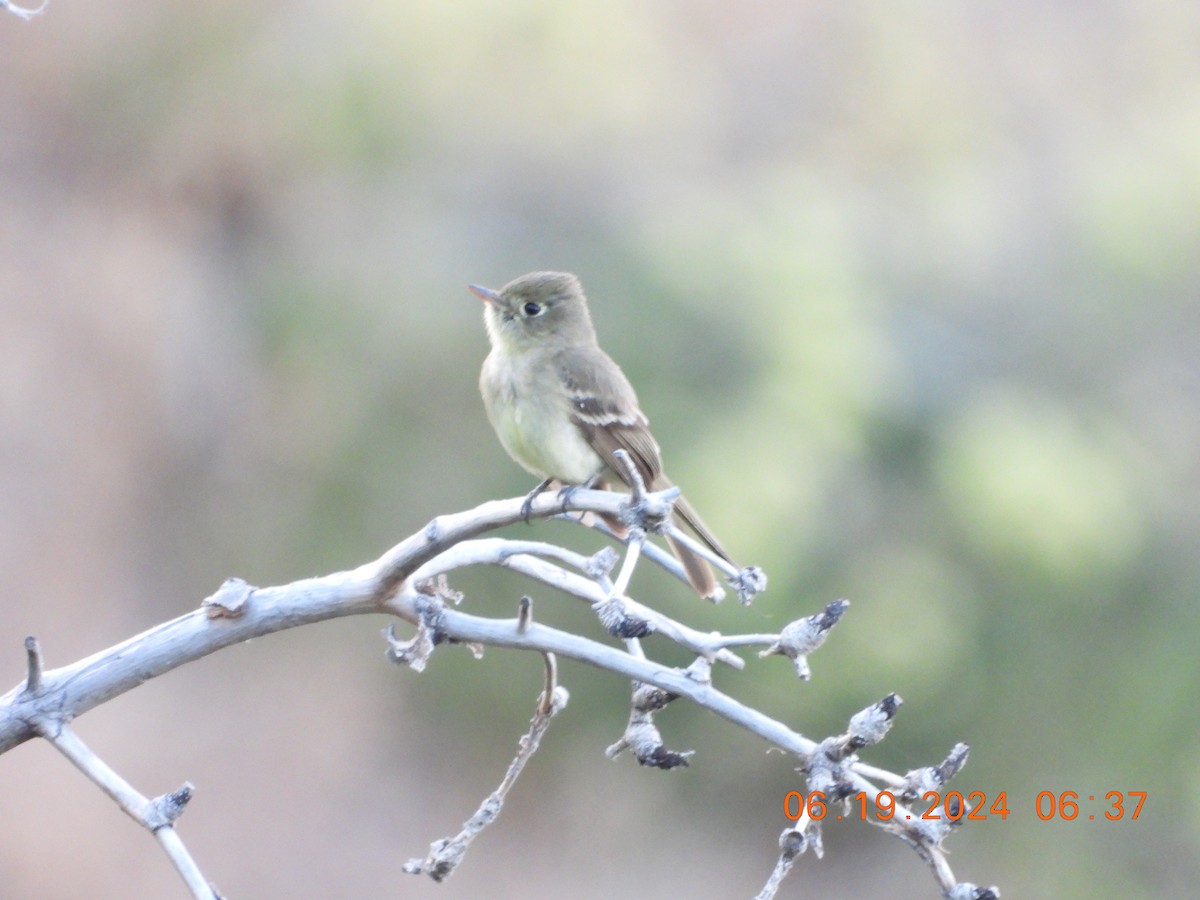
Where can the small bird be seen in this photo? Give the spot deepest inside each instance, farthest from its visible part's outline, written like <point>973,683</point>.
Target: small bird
<point>561,406</point>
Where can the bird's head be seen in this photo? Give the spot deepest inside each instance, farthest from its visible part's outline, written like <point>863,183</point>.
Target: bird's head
<point>536,310</point>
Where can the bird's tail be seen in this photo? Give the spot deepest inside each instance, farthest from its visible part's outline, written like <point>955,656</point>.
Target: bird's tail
<point>699,572</point>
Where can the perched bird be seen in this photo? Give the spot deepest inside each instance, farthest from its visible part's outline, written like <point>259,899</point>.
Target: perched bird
<point>561,406</point>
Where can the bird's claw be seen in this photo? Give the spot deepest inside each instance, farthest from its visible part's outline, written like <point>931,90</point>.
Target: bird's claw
<point>565,495</point>
<point>527,506</point>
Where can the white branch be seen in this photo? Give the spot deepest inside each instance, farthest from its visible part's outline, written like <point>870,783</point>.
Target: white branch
<point>526,557</point>
<point>84,685</point>
<point>633,552</point>
<point>408,582</point>
<point>157,816</point>
<point>445,854</point>
<point>463,627</point>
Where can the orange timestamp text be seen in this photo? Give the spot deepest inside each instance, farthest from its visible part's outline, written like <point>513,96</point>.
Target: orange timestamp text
<point>972,807</point>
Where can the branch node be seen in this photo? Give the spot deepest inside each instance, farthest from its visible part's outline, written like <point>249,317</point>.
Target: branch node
<point>601,563</point>
<point>649,512</point>
<point>229,601</point>
<point>748,584</point>
<point>802,637</point>
<point>559,698</point>
<point>792,844</point>
<point>700,671</point>
<point>649,697</point>
<point>162,811</point>
<point>964,890</point>
<point>439,588</point>
<point>619,621</point>
<point>416,651</point>
<point>642,736</point>
<point>869,726</point>
<point>931,778</point>
<point>827,773</point>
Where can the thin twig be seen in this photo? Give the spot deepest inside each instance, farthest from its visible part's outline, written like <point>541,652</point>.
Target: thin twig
<point>637,487</point>
<point>524,614</point>
<point>700,549</point>
<point>156,816</point>
<point>657,555</point>
<point>33,653</point>
<point>547,698</point>
<point>793,841</point>
<point>495,551</point>
<point>446,854</point>
<point>632,554</point>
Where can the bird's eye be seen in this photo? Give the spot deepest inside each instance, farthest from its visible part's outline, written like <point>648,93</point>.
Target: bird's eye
<point>532,309</point>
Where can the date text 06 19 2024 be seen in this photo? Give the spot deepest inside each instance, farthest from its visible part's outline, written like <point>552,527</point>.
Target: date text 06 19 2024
<point>1066,806</point>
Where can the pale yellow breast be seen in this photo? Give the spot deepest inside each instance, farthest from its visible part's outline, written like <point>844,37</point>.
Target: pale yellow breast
<point>528,408</point>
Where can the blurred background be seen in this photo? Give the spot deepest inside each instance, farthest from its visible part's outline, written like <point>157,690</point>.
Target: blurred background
<point>910,294</point>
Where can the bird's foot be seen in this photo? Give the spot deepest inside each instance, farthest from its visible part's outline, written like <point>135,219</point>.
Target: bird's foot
<point>568,491</point>
<point>527,506</point>
<point>565,495</point>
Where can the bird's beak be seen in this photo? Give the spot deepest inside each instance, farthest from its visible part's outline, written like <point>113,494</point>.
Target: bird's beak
<point>487,294</point>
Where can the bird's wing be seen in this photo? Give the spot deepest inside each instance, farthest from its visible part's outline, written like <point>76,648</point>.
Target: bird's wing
<point>605,408</point>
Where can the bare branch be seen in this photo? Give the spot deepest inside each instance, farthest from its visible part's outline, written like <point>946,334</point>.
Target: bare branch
<point>792,843</point>
<point>495,551</point>
<point>445,854</point>
<point>409,583</point>
<point>748,583</point>
<point>84,685</point>
<point>633,478</point>
<point>157,816</point>
<point>633,552</point>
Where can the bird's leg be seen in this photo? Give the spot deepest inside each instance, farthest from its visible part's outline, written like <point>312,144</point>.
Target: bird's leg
<point>527,506</point>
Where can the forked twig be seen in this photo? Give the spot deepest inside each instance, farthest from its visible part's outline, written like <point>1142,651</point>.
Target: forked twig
<point>445,854</point>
